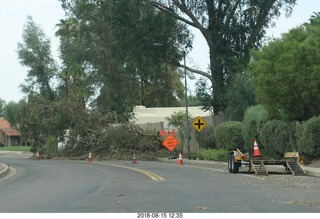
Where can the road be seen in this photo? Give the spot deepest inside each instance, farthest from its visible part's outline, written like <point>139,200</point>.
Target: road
<point>56,186</point>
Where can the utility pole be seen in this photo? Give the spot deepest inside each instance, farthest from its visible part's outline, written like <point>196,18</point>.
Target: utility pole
<point>186,93</point>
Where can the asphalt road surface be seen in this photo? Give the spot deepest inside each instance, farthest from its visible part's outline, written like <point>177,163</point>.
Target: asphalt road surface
<point>56,186</point>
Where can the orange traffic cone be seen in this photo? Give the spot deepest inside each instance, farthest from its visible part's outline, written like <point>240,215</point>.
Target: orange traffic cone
<point>180,162</point>
<point>38,156</point>
<point>134,159</point>
<point>256,151</point>
<point>90,157</point>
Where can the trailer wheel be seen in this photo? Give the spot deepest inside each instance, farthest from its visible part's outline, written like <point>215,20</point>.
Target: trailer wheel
<point>230,158</point>
<point>233,166</point>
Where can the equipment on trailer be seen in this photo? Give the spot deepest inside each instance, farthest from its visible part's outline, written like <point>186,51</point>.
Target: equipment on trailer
<point>291,161</point>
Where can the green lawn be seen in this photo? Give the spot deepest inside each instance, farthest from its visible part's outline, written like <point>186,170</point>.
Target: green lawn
<point>15,148</point>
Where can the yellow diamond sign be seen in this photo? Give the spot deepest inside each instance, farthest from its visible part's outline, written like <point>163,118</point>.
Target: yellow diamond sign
<point>199,124</point>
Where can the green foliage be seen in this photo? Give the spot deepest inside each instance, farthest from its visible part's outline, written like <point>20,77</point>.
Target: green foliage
<point>286,73</point>
<point>240,95</point>
<point>10,112</point>
<point>229,135</point>
<point>254,119</point>
<point>107,47</point>
<point>51,144</point>
<point>277,137</point>
<point>35,53</point>
<point>2,105</point>
<point>178,120</point>
<point>213,154</point>
<point>39,119</point>
<point>234,28</point>
<point>204,94</point>
<point>206,138</point>
<point>117,42</point>
<point>192,101</point>
<point>309,143</point>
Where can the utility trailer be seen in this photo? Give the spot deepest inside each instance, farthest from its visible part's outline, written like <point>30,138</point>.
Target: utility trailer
<point>291,161</point>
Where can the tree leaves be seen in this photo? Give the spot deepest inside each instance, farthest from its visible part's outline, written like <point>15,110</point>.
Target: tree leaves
<point>286,74</point>
<point>35,54</point>
<point>231,29</point>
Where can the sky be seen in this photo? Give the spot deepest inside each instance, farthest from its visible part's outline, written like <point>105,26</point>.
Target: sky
<point>47,13</point>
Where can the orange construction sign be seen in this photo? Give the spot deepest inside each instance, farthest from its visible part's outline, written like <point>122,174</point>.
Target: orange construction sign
<point>163,132</point>
<point>170,142</point>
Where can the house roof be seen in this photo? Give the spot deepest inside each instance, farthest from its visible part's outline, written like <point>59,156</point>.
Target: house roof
<point>5,127</point>
<point>11,132</point>
<point>4,124</point>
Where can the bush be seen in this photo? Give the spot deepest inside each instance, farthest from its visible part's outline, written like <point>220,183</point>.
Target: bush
<point>206,138</point>
<point>193,155</point>
<point>277,137</point>
<point>229,135</point>
<point>309,142</point>
<point>254,119</point>
<point>51,144</point>
<point>213,154</point>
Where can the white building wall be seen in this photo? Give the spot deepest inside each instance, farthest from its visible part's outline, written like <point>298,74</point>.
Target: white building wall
<point>145,115</point>
<point>154,119</point>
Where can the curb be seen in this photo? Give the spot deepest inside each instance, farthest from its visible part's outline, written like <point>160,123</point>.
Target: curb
<point>15,152</point>
<point>4,170</point>
<point>310,171</point>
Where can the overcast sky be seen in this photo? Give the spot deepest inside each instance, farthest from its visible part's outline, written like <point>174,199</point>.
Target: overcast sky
<point>47,13</point>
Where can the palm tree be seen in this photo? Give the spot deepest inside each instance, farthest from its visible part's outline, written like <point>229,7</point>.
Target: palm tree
<point>73,73</point>
<point>315,18</point>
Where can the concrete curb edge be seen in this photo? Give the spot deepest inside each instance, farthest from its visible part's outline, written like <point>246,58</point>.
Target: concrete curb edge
<point>5,170</point>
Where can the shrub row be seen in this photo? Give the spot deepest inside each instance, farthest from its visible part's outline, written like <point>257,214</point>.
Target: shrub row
<point>213,154</point>
<point>274,137</point>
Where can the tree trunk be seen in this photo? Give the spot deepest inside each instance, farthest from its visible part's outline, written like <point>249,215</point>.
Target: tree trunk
<point>218,82</point>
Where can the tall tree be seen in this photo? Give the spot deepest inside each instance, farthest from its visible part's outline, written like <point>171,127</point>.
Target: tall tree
<point>73,74</point>
<point>122,39</point>
<point>314,19</point>
<point>35,53</point>
<point>2,106</point>
<point>40,116</point>
<point>10,112</point>
<point>39,119</point>
<point>240,96</point>
<point>286,74</point>
<point>231,29</point>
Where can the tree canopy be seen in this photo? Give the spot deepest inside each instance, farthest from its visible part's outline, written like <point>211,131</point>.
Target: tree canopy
<point>286,74</point>
<point>2,106</point>
<point>231,29</point>
<point>127,45</point>
<point>35,53</point>
<point>114,55</point>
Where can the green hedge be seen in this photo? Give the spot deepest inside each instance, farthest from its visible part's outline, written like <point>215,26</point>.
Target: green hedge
<point>229,135</point>
<point>309,142</point>
<point>254,119</point>
<point>206,138</point>
<point>213,154</point>
<point>277,137</point>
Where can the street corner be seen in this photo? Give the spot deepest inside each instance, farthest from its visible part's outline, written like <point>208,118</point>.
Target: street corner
<point>4,169</point>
